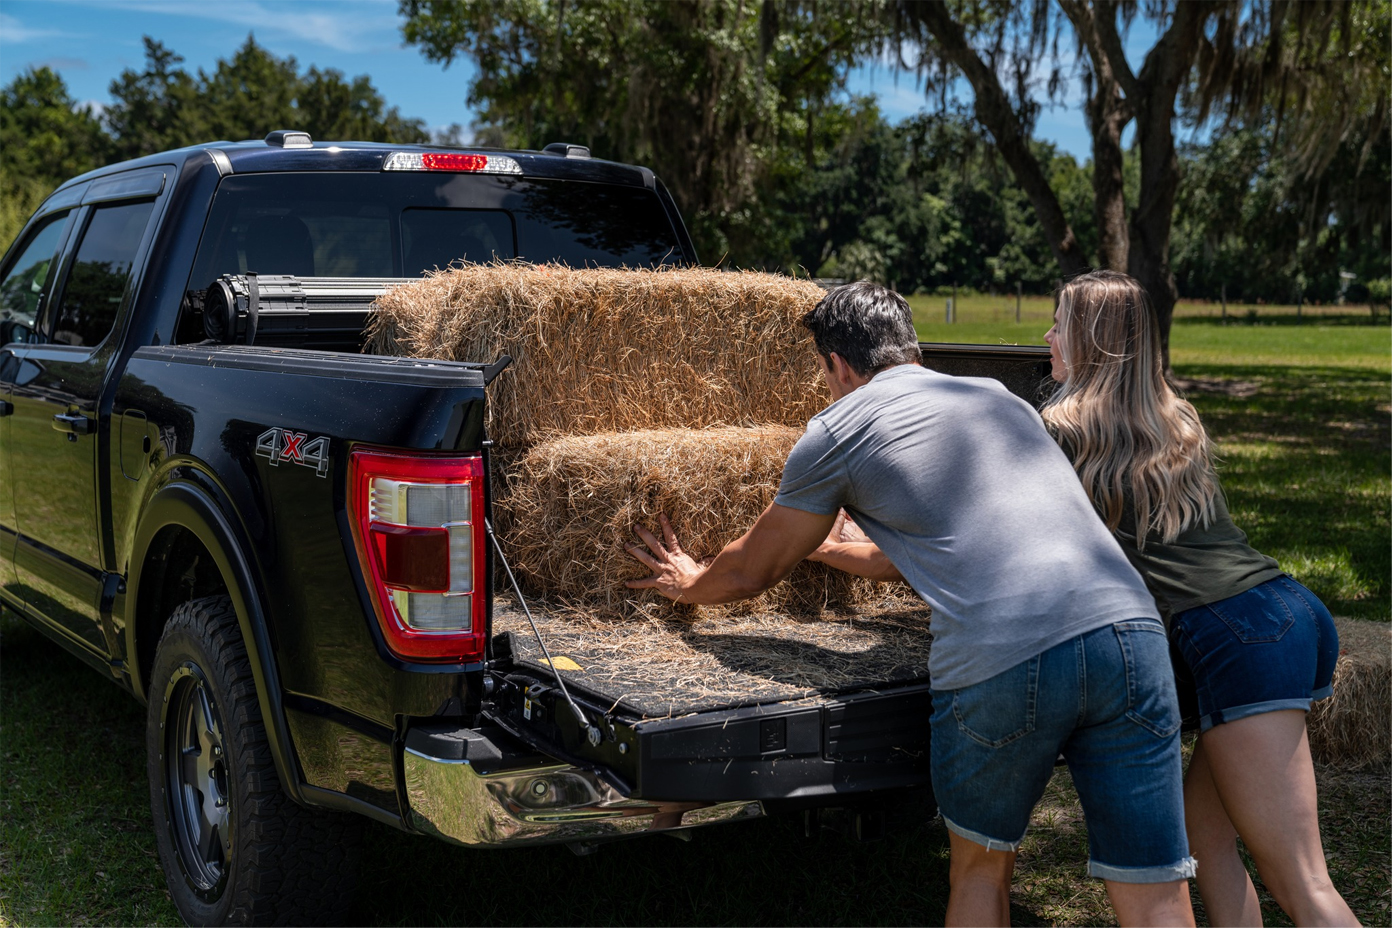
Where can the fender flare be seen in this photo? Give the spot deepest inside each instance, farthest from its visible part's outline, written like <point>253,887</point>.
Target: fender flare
<point>187,505</point>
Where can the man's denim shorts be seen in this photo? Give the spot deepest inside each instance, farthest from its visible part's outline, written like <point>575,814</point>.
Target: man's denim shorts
<point>1106,701</point>
<point>1273,647</point>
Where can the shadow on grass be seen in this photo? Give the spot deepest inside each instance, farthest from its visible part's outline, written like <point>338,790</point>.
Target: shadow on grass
<point>77,845</point>
<point>77,842</point>
<point>755,873</point>
<point>1305,455</point>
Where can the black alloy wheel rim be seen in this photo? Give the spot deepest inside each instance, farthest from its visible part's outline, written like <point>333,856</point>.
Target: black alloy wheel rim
<point>196,781</point>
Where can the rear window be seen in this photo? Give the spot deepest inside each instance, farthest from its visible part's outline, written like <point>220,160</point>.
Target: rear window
<point>399,225</point>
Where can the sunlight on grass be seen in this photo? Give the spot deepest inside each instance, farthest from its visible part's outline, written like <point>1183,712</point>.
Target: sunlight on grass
<point>1302,423</point>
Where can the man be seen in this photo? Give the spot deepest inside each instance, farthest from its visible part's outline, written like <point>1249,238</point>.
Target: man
<point>1045,640</point>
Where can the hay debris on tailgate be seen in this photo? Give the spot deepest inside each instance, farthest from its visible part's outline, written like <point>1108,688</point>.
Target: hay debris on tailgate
<point>661,667</point>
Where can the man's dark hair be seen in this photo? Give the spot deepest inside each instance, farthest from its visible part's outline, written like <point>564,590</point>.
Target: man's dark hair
<point>869,326</point>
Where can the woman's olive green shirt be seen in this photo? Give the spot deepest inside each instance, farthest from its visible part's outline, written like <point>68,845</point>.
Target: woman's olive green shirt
<point>1203,565</point>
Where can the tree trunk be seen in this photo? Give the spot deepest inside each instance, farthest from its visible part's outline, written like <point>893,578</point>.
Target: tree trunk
<point>1159,81</point>
<point>994,111</point>
<point>1108,111</point>
<point>1108,117</point>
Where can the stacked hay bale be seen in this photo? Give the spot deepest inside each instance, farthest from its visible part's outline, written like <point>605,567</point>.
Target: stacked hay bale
<point>632,392</point>
<point>574,502</point>
<point>602,350</point>
<point>1353,728</point>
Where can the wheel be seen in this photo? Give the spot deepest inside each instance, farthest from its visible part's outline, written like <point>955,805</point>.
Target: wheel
<point>236,850</point>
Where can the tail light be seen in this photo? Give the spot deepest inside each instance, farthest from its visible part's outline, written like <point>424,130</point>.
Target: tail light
<point>419,531</point>
<point>456,161</point>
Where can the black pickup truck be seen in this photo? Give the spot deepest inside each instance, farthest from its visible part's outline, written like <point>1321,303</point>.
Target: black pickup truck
<point>283,546</point>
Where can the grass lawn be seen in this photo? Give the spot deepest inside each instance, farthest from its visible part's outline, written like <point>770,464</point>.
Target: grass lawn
<point>1300,412</point>
<point>1301,415</point>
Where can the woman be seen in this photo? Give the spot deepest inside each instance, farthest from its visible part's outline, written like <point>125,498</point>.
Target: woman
<point>1260,646</point>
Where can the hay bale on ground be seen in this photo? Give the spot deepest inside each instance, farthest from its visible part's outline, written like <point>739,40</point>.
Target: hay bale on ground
<point>1353,728</point>
<point>603,350</point>
<point>571,504</point>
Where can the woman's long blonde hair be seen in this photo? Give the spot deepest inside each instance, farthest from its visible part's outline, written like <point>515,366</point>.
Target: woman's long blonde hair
<point>1118,415</point>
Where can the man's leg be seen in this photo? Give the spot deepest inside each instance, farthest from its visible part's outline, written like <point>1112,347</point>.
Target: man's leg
<point>1226,888</point>
<point>1266,780</point>
<point>980,884</point>
<point>1126,765</point>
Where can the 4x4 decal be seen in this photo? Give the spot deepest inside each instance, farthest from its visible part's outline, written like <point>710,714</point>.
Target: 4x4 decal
<point>295,447</point>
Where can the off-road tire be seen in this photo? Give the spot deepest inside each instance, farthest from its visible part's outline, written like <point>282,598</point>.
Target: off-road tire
<point>236,850</point>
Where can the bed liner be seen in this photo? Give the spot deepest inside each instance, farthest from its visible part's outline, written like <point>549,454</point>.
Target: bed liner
<point>659,665</point>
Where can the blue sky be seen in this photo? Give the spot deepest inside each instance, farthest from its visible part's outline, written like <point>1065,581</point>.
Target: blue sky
<point>89,42</point>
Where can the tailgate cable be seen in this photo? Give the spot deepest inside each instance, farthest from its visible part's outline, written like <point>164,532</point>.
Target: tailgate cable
<point>592,733</point>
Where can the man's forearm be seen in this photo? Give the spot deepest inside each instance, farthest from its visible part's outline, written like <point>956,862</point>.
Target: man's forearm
<point>727,580</point>
<point>862,558</point>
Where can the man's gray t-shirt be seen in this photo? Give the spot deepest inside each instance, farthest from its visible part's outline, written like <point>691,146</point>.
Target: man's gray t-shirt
<point>959,484</point>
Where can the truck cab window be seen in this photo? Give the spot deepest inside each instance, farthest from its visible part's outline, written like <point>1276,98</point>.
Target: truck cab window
<point>26,284</point>
<point>433,238</point>
<point>97,283</point>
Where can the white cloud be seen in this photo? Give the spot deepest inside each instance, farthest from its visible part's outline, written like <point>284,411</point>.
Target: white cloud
<point>348,27</point>
<point>14,32</point>
<point>61,64</point>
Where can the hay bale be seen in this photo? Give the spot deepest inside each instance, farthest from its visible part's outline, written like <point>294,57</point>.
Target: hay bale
<point>1353,728</point>
<point>603,350</point>
<point>571,504</point>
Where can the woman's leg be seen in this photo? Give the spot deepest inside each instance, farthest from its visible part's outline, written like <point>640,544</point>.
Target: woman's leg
<point>1265,781</point>
<point>1228,894</point>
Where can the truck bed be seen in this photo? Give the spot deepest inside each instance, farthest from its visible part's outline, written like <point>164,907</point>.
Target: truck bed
<point>662,666</point>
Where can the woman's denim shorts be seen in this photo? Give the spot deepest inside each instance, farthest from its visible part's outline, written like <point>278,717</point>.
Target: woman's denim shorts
<point>1106,701</point>
<point>1272,647</point>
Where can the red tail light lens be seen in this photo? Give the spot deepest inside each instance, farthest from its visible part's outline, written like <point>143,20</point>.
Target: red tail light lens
<point>451,161</point>
<point>418,527</point>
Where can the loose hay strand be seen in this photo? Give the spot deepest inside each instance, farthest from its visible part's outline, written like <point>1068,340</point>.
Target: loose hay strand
<point>608,350</point>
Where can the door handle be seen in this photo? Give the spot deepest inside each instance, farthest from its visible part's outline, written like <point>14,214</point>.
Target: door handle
<point>74,422</point>
<point>6,408</point>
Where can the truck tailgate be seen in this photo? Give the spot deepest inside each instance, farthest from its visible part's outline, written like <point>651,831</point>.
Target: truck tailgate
<point>712,711</point>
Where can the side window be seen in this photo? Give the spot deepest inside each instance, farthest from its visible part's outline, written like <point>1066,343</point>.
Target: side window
<point>100,269</point>
<point>23,290</point>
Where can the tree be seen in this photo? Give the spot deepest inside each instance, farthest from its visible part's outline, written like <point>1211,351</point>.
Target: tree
<point>330,107</point>
<point>244,97</point>
<point>723,95</point>
<point>45,138</point>
<point>155,109</point>
<point>1214,50</point>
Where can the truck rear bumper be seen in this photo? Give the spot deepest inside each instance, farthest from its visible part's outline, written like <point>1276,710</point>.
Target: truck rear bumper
<point>456,799</point>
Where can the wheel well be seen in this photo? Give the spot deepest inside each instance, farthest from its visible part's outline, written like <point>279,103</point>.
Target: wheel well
<point>177,568</point>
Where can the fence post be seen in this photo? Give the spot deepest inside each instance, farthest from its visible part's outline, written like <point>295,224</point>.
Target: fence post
<point>1299,302</point>
<point>1225,299</point>
<point>1019,289</point>
<point>954,301</point>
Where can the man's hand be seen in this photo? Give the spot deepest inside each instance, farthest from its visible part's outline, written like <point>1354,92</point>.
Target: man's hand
<point>673,569</point>
<point>758,559</point>
<point>849,549</point>
<point>845,530</point>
